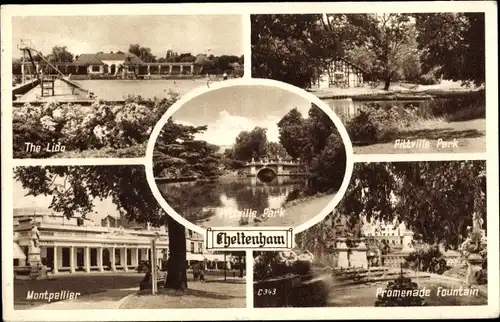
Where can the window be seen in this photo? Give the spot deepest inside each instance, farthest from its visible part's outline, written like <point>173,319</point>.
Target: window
<point>200,248</point>
<point>192,247</point>
<point>190,233</point>
<point>96,68</point>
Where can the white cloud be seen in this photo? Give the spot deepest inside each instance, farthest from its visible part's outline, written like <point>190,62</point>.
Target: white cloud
<point>226,128</point>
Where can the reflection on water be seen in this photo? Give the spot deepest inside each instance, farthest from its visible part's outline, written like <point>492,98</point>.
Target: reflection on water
<point>225,202</point>
<point>427,108</point>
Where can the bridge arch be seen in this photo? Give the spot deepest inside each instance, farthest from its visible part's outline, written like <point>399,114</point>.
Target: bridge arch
<point>266,174</point>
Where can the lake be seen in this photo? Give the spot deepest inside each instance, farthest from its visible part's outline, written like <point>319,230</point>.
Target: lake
<point>231,203</point>
<point>119,89</point>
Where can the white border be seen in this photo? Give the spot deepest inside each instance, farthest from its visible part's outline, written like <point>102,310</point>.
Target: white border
<point>491,310</point>
<point>244,82</point>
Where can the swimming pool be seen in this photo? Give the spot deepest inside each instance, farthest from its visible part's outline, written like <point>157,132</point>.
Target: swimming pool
<point>120,89</point>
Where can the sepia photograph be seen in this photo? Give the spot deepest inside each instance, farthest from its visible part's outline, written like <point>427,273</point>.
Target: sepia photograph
<point>82,87</point>
<point>249,155</point>
<point>402,83</point>
<point>405,234</point>
<point>250,161</point>
<point>94,237</point>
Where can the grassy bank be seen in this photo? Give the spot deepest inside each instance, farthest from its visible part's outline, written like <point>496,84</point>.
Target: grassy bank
<point>300,197</point>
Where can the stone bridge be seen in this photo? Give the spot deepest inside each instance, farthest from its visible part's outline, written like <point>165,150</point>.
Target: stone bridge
<point>268,167</point>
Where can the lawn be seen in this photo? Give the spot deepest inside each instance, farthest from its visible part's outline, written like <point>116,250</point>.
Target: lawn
<point>210,294</point>
<point>471,137</point>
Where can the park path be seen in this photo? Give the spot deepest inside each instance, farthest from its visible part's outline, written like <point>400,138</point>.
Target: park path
<point>214,293</point>
<point>298,214</point>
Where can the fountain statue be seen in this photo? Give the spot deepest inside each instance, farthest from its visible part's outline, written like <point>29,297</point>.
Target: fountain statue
<point>472,248</point>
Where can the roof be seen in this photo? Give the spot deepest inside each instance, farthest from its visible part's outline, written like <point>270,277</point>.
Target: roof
<point>97,59</point>
<point>350,63</point>
<point>89,59</point>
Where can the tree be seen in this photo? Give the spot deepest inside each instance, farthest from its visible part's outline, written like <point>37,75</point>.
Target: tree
<point>250,145</point>
<point>171,56</point>
<point>454,42</point>
<point>60,54</point>
<point>391,39</point>
<point>283,47</point>
<point>291,133</point>
<point>275,150</point>
<point>327,170</point>
<point>224,62</point>
<point>435,200</point>
<point>177,154</point>
<point>186,58</point>
<point>144,53</point>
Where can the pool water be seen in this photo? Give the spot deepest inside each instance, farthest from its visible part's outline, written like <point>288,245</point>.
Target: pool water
<point>148,89</point>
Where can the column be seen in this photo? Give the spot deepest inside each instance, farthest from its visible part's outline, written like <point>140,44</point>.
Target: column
<point>87,259</point>
<point>182,69</point>
<point>55,270</point>
<point>192,69</point>
<point>136,262</point>
<point>149,69</point>
<point>125,266</point>
<point>113,258</point>
<point>99,259</point>
<point>170,69</point>
<point>72,259</point>
<point>159,69</point>
<point>23,76</point>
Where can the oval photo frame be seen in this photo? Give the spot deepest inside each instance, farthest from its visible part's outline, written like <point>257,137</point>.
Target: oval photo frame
<point>249,82</point>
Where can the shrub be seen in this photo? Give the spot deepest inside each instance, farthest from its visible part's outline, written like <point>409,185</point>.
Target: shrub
<point>82,128</point>
<point>293,195</point>
<point>375,121</point>
<point>428,260</point>
<point>361,128</point>
<point>400,284</point>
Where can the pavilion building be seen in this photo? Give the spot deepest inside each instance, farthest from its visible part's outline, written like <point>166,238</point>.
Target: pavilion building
<point>113,244</point>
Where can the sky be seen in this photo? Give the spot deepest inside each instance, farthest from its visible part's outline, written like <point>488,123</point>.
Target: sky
<point>101,208</point>
<point>200,34</point>
<point>230,110</point>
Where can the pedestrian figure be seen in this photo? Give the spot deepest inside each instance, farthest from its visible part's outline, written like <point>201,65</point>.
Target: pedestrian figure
<point>196,271</point>
<point>202,271</point>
